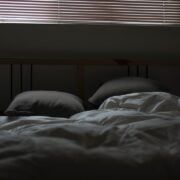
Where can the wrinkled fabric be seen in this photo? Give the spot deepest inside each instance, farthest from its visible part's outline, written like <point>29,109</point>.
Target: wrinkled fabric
<point>129,142</point>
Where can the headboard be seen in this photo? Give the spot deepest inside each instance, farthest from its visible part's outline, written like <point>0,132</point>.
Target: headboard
<point>80,64</point>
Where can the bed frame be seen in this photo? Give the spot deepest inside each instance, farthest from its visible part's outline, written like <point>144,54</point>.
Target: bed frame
<point>80,64</point>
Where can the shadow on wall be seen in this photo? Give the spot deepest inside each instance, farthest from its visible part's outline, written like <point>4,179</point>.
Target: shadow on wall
<point>88,41</point>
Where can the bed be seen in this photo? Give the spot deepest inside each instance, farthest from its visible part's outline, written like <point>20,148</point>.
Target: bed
<point>135,135</point>
<point>120,140</point>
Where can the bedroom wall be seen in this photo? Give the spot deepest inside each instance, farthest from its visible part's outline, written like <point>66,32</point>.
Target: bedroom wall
<point>83,41</point>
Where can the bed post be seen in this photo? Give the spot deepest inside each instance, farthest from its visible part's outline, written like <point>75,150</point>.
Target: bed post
<point>80,80</point>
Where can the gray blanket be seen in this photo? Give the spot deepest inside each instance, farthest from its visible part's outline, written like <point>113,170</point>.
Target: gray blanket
<point>136,136</point>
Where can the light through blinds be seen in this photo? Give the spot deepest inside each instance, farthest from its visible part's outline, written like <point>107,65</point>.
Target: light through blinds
<point>90,11</point>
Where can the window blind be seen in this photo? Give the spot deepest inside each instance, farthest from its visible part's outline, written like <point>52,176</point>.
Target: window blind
<point>29,11</point>
<point>90,11</point>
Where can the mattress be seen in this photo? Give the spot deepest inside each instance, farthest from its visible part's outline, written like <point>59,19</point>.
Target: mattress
<point>109,143</point>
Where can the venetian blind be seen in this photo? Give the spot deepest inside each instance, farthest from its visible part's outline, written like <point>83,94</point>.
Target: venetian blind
<point>90,11</point>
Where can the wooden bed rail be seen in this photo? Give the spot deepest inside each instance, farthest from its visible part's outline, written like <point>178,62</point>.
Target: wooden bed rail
<point>86,61</point>
<point>64,61</point>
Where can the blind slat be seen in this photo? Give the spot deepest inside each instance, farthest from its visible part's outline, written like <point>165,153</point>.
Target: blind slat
<point>90,11</point>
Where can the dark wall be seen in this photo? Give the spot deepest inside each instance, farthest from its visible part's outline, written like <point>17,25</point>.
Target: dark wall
<point>150,43</point>
<point>147,42</point>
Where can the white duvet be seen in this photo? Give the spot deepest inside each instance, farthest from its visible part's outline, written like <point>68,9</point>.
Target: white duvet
<point>131,136</point>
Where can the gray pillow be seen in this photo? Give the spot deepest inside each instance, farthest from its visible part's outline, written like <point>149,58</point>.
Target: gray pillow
<point>48,103</point>
<point>124,86</point>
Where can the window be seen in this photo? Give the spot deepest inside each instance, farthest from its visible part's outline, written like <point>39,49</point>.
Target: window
<point>29,11</point>
<point>90,11</point>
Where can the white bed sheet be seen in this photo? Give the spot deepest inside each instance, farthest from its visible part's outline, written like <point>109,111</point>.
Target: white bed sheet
<point>118,141</point>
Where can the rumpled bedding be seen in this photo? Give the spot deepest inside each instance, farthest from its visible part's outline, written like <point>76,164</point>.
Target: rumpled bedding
<point>133,136</point>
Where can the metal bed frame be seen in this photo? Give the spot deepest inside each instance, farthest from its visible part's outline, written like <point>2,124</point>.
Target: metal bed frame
<point>80,64</point>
